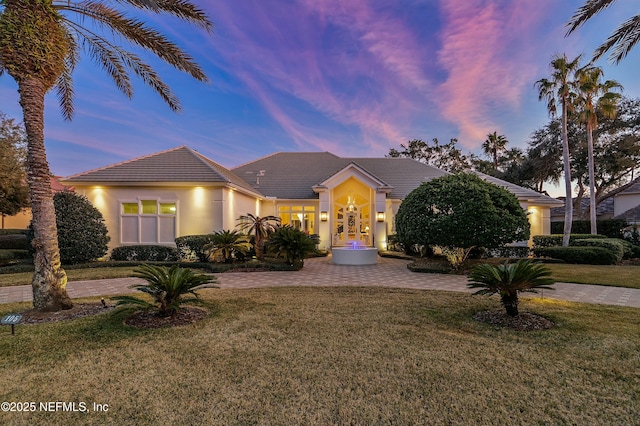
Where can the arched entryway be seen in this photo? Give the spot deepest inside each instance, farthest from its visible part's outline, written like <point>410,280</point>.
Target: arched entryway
<point>351,217</point>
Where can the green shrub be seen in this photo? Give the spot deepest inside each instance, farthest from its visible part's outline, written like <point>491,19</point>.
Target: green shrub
<point>11,256</point>
<point>292,244</point>
<point>509,280</point>
<point>556,239</point>
<point>14,242</point>
<point>582,255</point>
<point>191,248</point>
<point>82,233</point>
<point>509,251</point>
<point>636,251</point>
<point>11,231</point>
<point>168,287</point>
<point>145,253</point>
<point>228,246</point>
<point>612,228</point>
<point>608,243</point>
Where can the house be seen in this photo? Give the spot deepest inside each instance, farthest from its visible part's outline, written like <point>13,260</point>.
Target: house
<point>22,219</point>
<point>158,197</point>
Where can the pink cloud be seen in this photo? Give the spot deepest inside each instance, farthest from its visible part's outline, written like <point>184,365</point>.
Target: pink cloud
<point>490,64</point>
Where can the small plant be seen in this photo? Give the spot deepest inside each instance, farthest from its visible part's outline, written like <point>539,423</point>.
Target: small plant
<point>292,244</point>
<point>510,279</point>
<point>454,255</point>
<point>227,245</point>
<point>167,287</point>
<point>260,227</point>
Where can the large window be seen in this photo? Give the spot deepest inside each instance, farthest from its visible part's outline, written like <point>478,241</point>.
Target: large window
<point>301,217</point>
<point>148,222</point>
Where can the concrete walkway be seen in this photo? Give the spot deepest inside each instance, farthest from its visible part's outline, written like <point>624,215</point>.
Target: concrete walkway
<point>321,272</point>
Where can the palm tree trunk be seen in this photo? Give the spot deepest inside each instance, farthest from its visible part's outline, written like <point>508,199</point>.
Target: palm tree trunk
<point>568,202</point>
<point>49,279</point>
<point>592,185</point>
<point>510,303</point>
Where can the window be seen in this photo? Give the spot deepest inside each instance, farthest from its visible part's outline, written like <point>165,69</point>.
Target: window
<point>301,217</point>
<point>148,222</point>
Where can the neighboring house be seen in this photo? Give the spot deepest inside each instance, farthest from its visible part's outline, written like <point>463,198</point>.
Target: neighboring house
<point>604,210</point>
<point>155,198</point>
<point>22,219</point>
<point>622,203</point>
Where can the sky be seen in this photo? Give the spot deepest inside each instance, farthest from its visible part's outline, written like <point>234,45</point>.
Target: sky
<point>353,77</point>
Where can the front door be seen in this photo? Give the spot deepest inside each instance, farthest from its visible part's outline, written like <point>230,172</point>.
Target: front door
<point>351,224</point>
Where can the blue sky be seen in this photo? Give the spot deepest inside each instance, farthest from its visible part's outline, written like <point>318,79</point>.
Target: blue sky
<point>352,77</point>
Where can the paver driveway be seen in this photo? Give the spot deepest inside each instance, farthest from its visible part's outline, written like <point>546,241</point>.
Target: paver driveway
<point>321,272</point>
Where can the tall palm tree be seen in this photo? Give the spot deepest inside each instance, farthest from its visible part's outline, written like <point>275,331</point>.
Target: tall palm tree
<point>493,146</point>
<point>40,44</point>
<point>261,227</point>
<point>559,91</point>
<point>621,41</point>
<point>594,94</point>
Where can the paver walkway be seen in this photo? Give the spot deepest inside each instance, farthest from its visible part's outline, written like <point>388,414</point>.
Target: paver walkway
<point>321,272</point>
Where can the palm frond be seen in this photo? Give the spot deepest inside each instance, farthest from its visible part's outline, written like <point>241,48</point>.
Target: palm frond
<point>64,85</point>
<point>130,300</point>
<point>621,41</point>
<point>182,9</point>
<point>586,12</point>
<point>139,34</point>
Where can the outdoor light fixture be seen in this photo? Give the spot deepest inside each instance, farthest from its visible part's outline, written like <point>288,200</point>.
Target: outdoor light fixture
<point>323,216</point>
<point>380,216</point>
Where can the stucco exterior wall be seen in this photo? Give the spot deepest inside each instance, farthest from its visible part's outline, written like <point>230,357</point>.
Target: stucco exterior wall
<point>20,220</point>
<point>624,202</point>
<point>199,210</point>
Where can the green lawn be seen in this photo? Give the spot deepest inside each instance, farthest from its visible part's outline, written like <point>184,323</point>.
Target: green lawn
<point>332,356</point>
<point>24,278</point>
<point>621,276</point>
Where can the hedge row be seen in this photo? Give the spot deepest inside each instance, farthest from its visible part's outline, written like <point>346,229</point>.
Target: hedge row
<point>582,255</point>
<point>191,247</point>
<point>14,242</point>
<point>554,240</point>
<point>145,253</point>
<point>611,228</point>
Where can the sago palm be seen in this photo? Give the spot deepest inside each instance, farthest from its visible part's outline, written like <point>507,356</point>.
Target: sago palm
<point>40,43</point>
<point>168,288</point>
<point>292,244</point>
<point>594,94</point>
<point>559,90</point>
<point>261,227</point>
<point>227,244</point>
<point>623,39</point>
<point>510,279</point>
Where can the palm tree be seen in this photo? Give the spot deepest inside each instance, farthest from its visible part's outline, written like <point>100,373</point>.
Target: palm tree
<point>509,280</point>
<point>226,244</point>
<point>261,227</point>
<point>559,90</point>
<point>621,41</point>
<point>493,146</point>
<point>594,94</point>
<point>40,44</point>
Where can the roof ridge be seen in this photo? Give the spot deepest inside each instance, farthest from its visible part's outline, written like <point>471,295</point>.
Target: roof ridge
<point>208,162</point>
<point>109,166</point>
<point>284,152</point>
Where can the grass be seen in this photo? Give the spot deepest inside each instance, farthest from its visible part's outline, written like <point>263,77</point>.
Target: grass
<point>332,356</point>
<point>24,278</point>
<point>614,275</point>
<point>608,275</point>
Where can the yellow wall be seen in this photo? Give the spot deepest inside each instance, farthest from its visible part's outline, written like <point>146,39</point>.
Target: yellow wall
<point>17,221</point>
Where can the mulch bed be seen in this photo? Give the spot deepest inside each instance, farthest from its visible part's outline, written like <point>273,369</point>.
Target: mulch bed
<point>140,319</point>
<point>151,319</point>
<point>79,310</point>
<point>525,321</point>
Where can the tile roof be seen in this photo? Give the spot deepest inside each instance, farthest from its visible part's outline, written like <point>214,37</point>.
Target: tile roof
<point>604,208</point>
<point>291,175</point>
<point>522,193</point>
<point>632,215</point>
<point>177,165</point>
